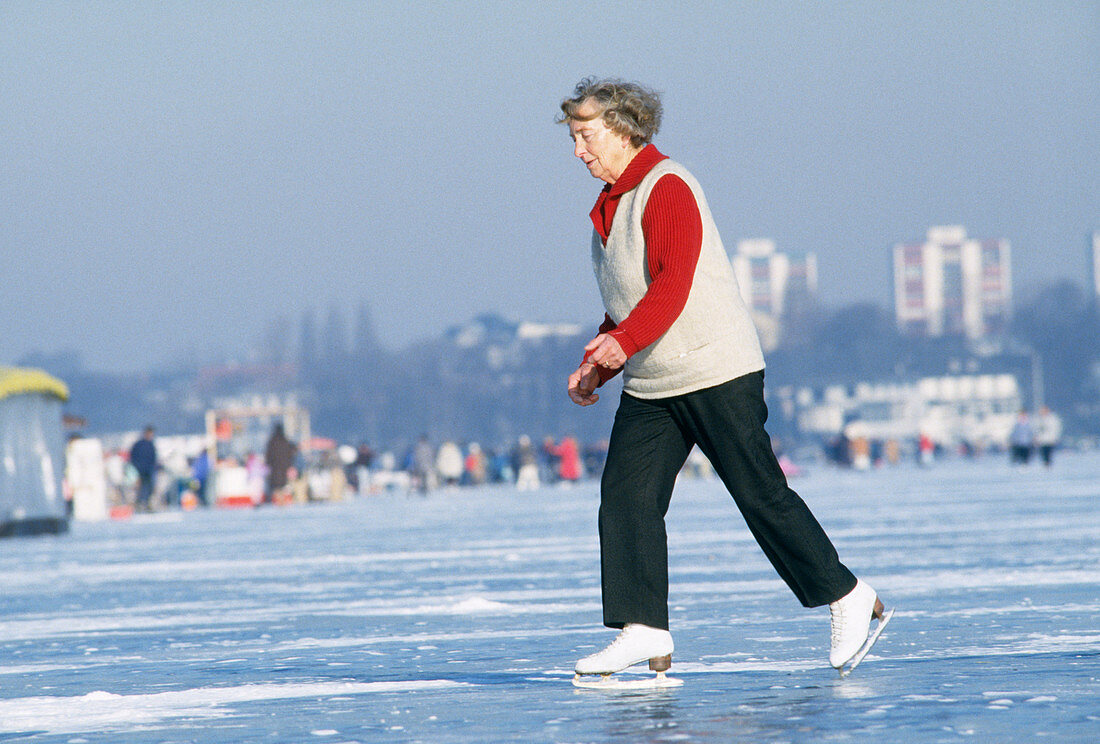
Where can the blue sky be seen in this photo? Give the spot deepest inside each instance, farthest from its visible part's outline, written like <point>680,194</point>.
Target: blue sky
<point>174,175</point>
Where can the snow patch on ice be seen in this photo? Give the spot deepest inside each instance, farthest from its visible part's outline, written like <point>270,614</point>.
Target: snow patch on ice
<point>478,604</point>
<point>33,668</point>
<point>929,698</point>
<point>468,606</point>
<point>107,711</point>
<point>750,665</point>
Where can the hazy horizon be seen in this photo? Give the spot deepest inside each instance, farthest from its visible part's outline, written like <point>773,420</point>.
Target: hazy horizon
<point>175,175</point>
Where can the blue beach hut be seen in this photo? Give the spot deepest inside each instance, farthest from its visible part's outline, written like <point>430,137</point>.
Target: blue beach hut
<point>32,452</point>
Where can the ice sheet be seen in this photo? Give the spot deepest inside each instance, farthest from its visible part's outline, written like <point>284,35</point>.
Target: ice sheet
<point>457,618</point>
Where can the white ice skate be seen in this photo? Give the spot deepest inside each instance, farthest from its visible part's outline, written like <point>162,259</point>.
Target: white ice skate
<point>635,644</point>
<point>850,620</point>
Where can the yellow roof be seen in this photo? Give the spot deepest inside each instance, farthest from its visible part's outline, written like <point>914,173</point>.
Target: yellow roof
<point>22,380</point>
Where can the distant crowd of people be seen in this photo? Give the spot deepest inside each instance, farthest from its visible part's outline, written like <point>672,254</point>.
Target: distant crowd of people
<point>144,479</point>
<point>1039,434</point>
<point>524,464</point>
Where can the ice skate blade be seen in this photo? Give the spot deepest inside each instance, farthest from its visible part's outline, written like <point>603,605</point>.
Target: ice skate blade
<point>863,651</point>
<point>610,682</point>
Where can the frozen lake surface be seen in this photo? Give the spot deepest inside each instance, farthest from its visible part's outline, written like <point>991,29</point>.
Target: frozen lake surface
<point>457,618</point>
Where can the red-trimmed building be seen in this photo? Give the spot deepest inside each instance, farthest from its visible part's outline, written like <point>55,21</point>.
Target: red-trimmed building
<point>953,285</point>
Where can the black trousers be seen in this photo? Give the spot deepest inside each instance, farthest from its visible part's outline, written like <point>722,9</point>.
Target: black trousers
<point>650,442</point>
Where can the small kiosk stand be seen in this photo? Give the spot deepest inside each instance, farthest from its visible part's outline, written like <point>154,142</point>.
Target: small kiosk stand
<point>32,453</point>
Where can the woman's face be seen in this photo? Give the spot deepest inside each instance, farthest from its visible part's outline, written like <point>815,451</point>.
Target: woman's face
<point>604,152</point>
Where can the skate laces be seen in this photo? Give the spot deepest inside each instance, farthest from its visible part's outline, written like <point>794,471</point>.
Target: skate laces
<point>619,639</point>
<point>836,627</point>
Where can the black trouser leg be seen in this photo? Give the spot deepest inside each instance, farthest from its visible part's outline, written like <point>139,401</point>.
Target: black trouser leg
<point>646,451</point>
<point>145,490</point>
<point>727,421</point>
<point>650,442</point>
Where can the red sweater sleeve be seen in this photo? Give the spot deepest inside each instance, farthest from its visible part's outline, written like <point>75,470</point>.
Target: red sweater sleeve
<point>673,233</point>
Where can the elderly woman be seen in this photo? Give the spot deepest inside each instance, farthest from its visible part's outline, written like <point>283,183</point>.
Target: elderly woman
<point>693,374</point>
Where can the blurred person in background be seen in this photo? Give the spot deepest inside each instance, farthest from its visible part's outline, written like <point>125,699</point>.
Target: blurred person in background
<point>526,464</point>
<point>1021,441</point>
<point>143,458</point>
<point>279,456</point>
<point>1048,433</point>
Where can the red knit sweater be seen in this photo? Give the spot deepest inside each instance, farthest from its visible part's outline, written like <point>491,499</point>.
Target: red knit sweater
<point>673,233</point>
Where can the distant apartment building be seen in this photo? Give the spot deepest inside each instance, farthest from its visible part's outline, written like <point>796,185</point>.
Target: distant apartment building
<point>773,283</point>
<point>770,279</point>
<point>953,285</point>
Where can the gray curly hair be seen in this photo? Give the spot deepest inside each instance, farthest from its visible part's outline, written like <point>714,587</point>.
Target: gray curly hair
<point>626,108</point>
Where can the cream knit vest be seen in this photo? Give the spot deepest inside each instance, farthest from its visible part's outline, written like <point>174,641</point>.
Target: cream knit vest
<point>713,340</point>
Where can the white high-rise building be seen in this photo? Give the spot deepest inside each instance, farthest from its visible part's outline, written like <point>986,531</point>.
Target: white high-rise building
<point>953,285</point>
<point>770,279</point>
<point>773,285</point>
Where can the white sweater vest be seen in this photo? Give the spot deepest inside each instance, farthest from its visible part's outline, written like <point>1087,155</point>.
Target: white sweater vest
<point>713,340</point>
